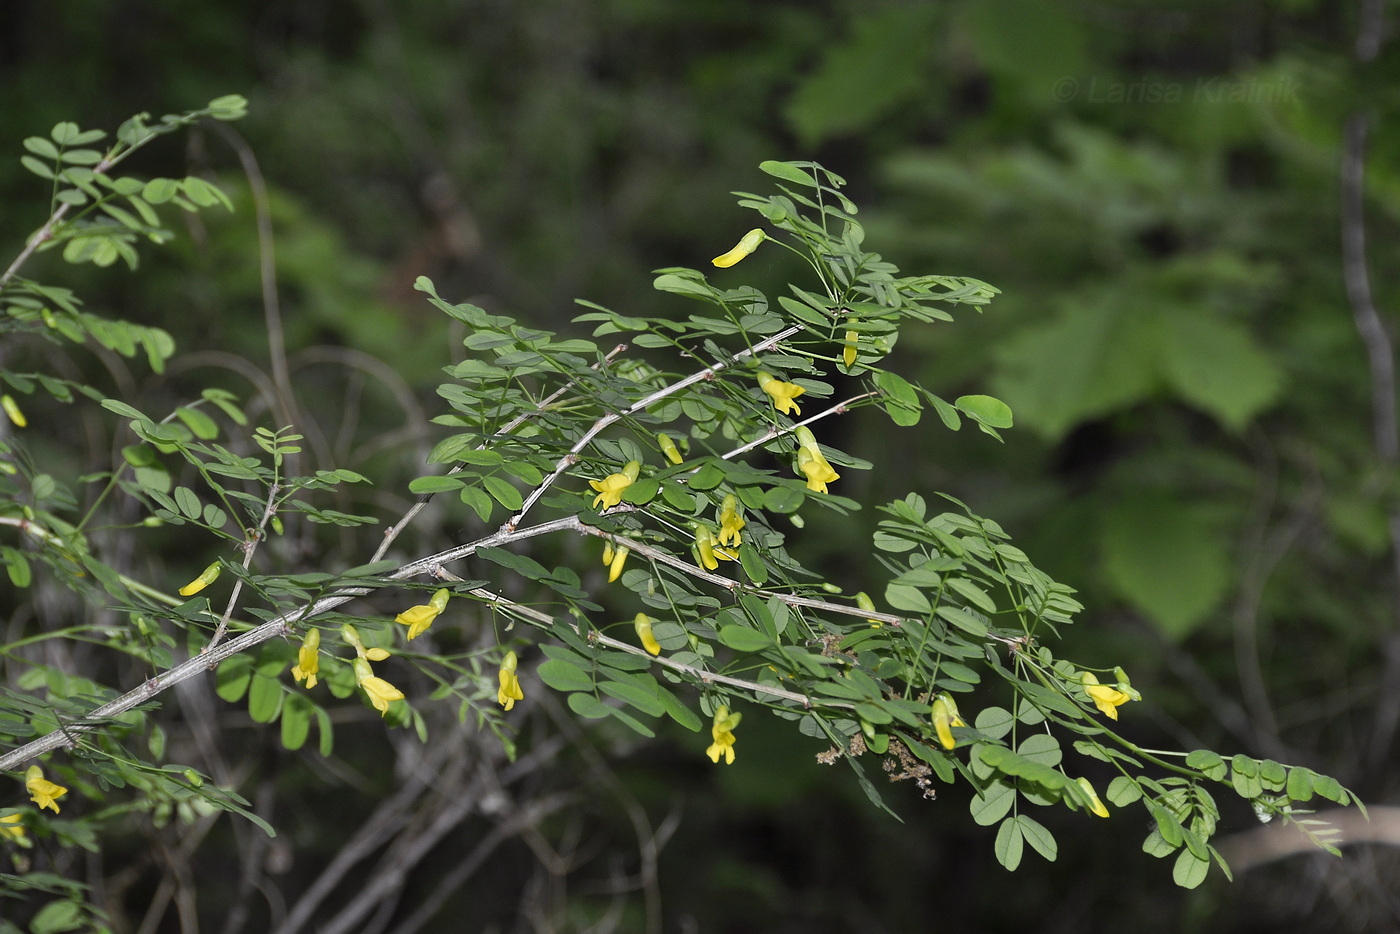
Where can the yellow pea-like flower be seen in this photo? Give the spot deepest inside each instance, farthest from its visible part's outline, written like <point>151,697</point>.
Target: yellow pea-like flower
<point>945,717</point>
<point>848,352</point>
<point>509,691</point>
<point>781,393</point>
<point>610,487</point>
<point>644,634</point>
<point>308,658</point>
<point>811,463</point>
<point>205,578</point>
<point>722,732</point>
<point>419,618</point>
<point>705,546</point>
<point>42,791</point>
<point>619,559</point>
<point>1108,698</point>
<point>746,245</point>
<point>380,692</point>
<point>731,523</point>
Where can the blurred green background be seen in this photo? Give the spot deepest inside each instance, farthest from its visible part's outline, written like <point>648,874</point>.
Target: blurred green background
<point>1156,188</point>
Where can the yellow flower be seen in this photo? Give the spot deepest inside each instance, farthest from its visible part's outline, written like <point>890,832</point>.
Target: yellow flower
<point>510,685</point>
<point>12,829</point>
<point>730,522</point>
<point>308,658</point>
<point>722,732</point>
<point>1108,698</point>
<point>610,487</point>
<point>781,393</point>
<point>705,546</point>
<point>744,247</point>
<point>644,635</point>
<point>206,577</point>
<point>945,717</point>
<point>1096,807</point>
<point>42,791</point>
<point>419,618</point>
<point>668,448</point>
<point>380,692</point>
<point>11,408</point>
<point>812,463</point>
<point>848,353</point>
<point>619,559</point>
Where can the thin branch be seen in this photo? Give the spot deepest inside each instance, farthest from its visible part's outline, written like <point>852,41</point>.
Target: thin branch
<point>249,547</point>
<point>1259,846</point>
<point>774,432</point>
<point>114,156</point>
<point>45,233</point>
<point>1380,349</point>
<point>699,674</point>
<point>571,458</point>
<point>277,626</point>
<point>1380,355</point>
<point>398,527</point>
<point>267,272</point>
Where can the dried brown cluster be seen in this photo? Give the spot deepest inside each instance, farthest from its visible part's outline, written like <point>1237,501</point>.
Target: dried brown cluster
<point>899,757</point>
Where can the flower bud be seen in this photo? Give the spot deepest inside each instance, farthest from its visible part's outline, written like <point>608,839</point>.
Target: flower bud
<point>619,559</point>
<point>11,408</point>
<point>668,448</point>
<point>644,634</point>
<point>743,248</point>
<point>206,577</point>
